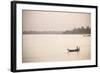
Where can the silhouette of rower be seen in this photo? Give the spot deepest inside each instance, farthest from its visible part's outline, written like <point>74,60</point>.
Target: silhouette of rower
<point>77,48</point>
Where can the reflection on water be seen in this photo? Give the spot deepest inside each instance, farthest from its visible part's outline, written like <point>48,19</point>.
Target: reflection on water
<point>44,48</point>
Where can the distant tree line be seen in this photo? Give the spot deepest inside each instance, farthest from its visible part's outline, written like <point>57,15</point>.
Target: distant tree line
<point>81,30</point>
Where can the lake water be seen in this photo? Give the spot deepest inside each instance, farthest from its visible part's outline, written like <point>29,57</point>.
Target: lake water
<point>47,48</point>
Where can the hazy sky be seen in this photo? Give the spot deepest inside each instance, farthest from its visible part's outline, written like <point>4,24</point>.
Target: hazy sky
<point>53,21</point>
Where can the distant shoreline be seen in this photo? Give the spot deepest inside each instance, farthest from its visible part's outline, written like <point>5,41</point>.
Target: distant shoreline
<point>60,33</point>
<point>53,32</point>
<point>81,30</point>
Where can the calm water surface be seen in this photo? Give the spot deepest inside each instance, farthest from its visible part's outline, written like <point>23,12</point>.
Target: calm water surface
<point>44,48</point>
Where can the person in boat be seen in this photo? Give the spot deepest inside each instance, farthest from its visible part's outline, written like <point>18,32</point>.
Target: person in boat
<point>78,48</point>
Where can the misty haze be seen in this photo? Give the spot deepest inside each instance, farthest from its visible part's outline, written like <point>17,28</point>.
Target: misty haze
<point>41,42</point>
